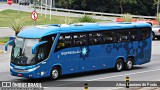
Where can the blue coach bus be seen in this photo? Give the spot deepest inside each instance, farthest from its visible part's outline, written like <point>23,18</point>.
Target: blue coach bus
<point>55,50</point>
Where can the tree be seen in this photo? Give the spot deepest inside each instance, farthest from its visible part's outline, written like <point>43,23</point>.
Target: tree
<point>127,17</point>
<point>17,25</point>
<point>65,3</point>
<point>157,3</point>
<point>122,2</point>
<point>158,18</point>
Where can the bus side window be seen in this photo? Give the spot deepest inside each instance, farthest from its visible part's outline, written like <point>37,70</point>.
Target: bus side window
<point>65,41</point>
<point>80,39</point>
<point>145,33</point>
<point>123,36</point>
<point>109,37</point>
<point>44,49</point>
<point>95,38</point>
<point>133,35</point>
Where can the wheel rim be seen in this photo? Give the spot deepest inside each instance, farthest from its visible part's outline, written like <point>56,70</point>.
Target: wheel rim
<point>119,66</point>
<point>129,64</point>
<point>55,73</point>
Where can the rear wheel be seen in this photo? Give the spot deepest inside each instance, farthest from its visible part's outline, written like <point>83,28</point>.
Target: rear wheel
<point>129,64</point>
<point>153,36</point>
<point>119,65</point>
<point>55,73</point>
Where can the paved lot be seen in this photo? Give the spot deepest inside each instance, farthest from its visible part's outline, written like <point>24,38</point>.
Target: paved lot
<point>6,32</point>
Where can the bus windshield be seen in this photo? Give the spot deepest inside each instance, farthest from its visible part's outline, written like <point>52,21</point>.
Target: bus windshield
<point>22,51</point>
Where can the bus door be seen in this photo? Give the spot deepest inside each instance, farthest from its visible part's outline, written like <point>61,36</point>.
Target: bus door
<point>43,53</point>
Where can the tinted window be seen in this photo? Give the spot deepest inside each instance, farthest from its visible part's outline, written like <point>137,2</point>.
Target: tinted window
<point>109,37</point>
<point>123,36</point>
<point>65,41</point>
<point>80,39</point>
<point>145,33</point>
<point>95,38</point>
<point>133,35</point>
<point>44,49</point>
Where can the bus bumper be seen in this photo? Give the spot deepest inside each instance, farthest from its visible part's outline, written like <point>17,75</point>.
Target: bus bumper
<point>27,74</point>
<point>34,72</point>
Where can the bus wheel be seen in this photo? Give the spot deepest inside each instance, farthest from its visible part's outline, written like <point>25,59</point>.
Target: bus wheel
<point>55,73</point>
<point>153,36</point>
<point>119,65</point>
<point>129,64</point>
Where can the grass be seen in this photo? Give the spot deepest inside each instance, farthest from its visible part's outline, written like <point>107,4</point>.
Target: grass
<point>7,16</point>
<point>4,39</point>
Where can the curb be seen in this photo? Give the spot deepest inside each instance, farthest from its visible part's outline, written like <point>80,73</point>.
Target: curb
<point>1,51</point>
<point>2,43</point>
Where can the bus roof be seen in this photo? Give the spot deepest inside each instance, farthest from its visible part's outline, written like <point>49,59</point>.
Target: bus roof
<point>41,31</point>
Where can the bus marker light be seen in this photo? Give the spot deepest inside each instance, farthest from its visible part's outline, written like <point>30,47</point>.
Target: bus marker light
<point>30,75</point>
<point>42,73</point>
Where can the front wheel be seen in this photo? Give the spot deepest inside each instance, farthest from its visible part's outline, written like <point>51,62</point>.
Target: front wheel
<point>129,64</point>
<point>119,65</point>
<point>55,73</point>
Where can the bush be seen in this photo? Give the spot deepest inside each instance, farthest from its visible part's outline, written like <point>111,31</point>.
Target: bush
<point>86,18</point>
<point>17,25</point>
<point>4,39</point>
<point>158,17</point>
<point>66,20</point>
<point>127,17</point>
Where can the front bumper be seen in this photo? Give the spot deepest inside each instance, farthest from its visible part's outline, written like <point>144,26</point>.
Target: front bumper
<point>34,72</point>
<point>22,74</point>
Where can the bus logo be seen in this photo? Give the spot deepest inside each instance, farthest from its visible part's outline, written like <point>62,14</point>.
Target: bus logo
<point>84,51</point>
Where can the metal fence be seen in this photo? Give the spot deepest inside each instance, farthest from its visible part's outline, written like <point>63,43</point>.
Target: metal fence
<point>97,13</point>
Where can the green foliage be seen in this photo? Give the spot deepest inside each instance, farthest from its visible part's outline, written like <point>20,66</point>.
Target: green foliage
<point>66,20</point>
<point>122,2</point>
<point>86,18</point>
<point>17,25</point>
<point>7,16</point>
<point>65,3</point>
<point>158,17</point>
<point>4,39</point>
<point>127,17</point>
<point>136,7</point>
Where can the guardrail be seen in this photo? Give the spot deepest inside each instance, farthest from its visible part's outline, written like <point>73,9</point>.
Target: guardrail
<point>96,13</point>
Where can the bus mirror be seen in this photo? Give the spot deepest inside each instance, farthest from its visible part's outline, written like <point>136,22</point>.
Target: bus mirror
<point>36,45</point>
<point>8,43</point>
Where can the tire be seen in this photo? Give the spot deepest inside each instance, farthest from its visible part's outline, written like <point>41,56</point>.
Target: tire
<point>153,36</point>
<point>119,65</point>
<point>158,38</point>
<point>55,73</point>
<point>129,64</point>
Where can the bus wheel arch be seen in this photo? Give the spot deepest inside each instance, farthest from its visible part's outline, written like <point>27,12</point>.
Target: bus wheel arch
<point>119,65</point>
<point>56,72</point>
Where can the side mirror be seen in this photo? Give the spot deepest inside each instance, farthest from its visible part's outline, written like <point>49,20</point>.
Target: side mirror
<point>9,42</point>
<point>37,45</point>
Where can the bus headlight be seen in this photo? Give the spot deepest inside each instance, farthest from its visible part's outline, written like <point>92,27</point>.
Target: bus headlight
<point>30,70</point>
